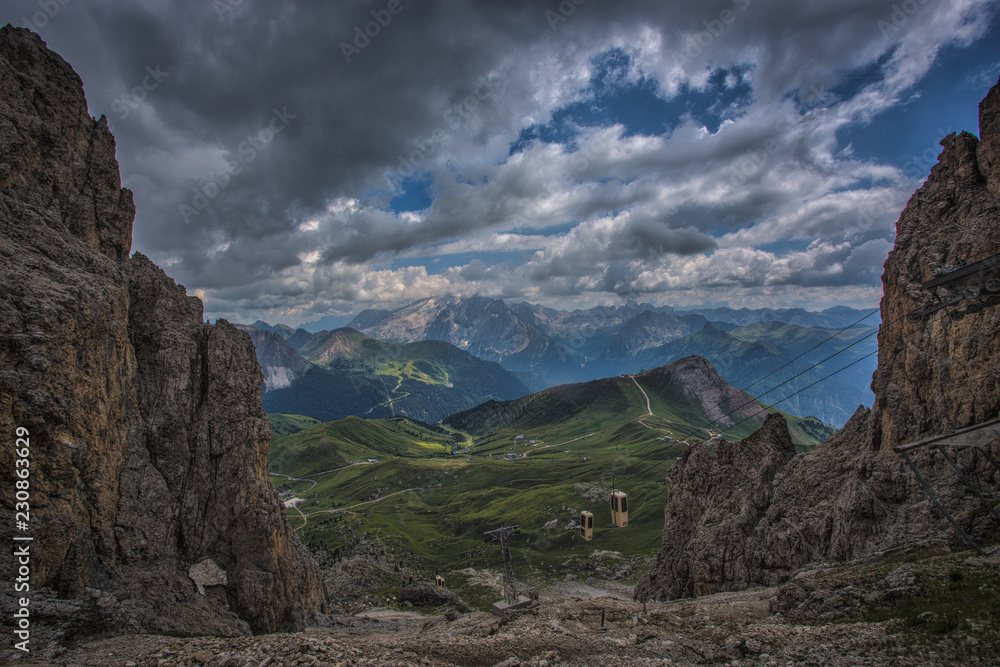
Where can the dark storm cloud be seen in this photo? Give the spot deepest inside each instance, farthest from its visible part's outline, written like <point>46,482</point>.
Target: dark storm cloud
<point>649,239</point>
<point>227,71</point>
<point>263,139</point>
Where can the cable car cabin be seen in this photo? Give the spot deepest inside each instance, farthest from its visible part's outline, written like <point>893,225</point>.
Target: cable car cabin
<point>439,582</point>
<point>587,525</point>
<point>619,508</point>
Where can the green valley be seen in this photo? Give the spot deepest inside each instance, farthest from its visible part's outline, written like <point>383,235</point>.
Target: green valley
<point>417,498</point>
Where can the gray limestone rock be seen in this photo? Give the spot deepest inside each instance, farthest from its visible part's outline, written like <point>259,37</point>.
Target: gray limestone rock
<point>147,437</point>
<point>754,512</point>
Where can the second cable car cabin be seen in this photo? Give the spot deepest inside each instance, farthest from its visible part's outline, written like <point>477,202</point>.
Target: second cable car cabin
<point>587,525</point>
<point>439,584</point>
<point>619,508</point>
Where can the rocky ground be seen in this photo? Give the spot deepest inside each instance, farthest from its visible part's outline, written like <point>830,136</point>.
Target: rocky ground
<point>921,606</point>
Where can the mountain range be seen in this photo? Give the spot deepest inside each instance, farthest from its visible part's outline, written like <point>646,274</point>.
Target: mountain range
<point>334,374</point>
<point>782,364</point>
<point>559,346</point>
<point>687,398</point>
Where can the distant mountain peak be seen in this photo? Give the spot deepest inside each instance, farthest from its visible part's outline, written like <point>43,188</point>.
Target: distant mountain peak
<point>564,346</point>
<point>709,329</point>
<point>690,389</point>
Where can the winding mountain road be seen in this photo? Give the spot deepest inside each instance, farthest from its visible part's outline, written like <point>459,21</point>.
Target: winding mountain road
<point>296,479</point>
<point>649,408</point>
<point>305,517</point>
<point>558,444</point>
<point>316,474</point>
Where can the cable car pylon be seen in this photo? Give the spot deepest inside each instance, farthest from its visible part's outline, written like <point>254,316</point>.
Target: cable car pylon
<point>511,599</point>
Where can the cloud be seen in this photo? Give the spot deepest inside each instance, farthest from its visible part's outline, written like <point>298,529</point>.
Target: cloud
<point>745,188</point>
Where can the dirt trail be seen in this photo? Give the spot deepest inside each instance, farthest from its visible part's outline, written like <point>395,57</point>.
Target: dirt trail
<point>367,502</point>
<point>296,479</point>
<point>558,444</point>
<point>580,624</point>
<point>649,409</point>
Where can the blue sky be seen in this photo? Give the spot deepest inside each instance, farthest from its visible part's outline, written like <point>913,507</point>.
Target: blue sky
<point>285,168</point>
<point>945,100</point>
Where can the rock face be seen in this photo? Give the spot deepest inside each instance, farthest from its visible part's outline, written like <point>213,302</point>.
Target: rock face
<point>646,330</point>
<point>279,361</point>
<point>941,374</point>
<point>482,326</point>
<point>147,437</point>
<point>720,402</point>
<point>723,493</point>
<point>753,513</point>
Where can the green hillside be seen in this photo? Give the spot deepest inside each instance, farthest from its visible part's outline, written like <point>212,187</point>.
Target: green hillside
<point>353,374</point>
<point>338,443</point>
<point>429,492</point>
<point>795,339</point>
<point>429,509</point>
<point>614,409</point>
<point>285,424</point>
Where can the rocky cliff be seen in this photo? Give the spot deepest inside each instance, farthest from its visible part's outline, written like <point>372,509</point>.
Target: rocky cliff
<point>279,361</point>
<point>150,505</point>
<point>752,513</point>
<point>940,373</point>
<point>726,491</point>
